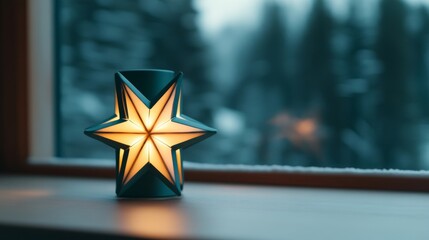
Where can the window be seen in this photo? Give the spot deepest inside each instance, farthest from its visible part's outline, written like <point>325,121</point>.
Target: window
<point>22,131</point>
<point>297,83</point>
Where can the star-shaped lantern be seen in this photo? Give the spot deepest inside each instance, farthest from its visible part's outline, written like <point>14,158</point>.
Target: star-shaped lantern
<point>148,131</point>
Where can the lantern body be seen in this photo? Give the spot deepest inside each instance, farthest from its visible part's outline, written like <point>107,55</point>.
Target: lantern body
<point>148,132</point>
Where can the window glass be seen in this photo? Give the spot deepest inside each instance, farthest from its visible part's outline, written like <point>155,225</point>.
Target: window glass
<point>331,83</point>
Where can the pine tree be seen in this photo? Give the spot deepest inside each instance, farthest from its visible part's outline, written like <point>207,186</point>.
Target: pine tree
<point>317,84</point>
<point>394,119</point>
<point>421,61</point>
<point>355,90</point>
<point>264,88</point>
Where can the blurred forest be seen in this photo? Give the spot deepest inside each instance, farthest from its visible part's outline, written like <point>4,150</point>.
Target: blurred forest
<point>334,90</point>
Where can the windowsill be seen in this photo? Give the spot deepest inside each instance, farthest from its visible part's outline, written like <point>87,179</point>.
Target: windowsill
<point>87,208</point>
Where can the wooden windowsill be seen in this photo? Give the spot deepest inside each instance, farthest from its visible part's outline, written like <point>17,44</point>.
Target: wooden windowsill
<point>77,208</point>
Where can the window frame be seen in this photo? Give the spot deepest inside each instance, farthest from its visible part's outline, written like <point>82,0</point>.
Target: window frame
<point>17,130</point>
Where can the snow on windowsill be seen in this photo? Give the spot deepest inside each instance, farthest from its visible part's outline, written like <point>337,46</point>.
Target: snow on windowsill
<point>303,170</point>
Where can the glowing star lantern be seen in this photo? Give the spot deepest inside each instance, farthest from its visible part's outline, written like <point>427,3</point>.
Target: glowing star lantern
<point>148,132</point>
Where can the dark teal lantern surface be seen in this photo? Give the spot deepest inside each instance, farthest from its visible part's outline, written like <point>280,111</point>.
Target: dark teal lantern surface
<point>148,132</point>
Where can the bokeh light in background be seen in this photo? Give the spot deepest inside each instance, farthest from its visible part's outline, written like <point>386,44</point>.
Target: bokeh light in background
<point>331,83</point>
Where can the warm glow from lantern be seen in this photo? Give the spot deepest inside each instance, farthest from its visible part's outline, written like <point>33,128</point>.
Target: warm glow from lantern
<point>150,134</point>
